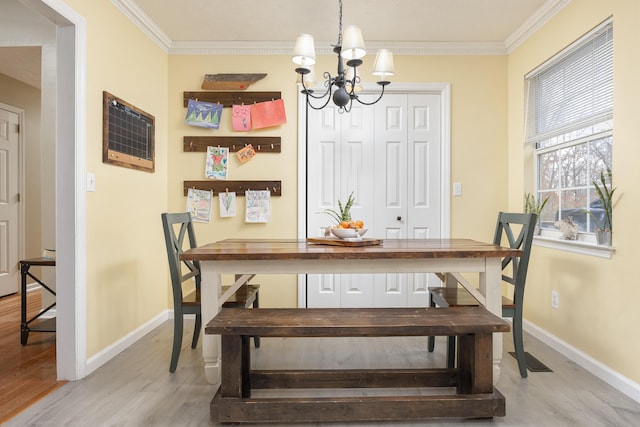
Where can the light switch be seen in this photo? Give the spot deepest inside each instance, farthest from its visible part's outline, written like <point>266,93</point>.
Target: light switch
<point>457,189</point>
<point>91,181</point>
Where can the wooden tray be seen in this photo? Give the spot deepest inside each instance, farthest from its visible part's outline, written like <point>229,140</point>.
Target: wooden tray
<point>334,241</point>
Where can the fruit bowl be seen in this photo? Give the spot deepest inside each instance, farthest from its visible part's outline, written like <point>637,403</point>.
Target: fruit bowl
<point>349,233</point>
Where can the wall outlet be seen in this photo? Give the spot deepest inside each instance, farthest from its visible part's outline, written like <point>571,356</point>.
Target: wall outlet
<point>555,299</point>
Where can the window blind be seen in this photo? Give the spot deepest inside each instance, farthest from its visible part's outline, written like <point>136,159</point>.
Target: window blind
<point>572,94</point>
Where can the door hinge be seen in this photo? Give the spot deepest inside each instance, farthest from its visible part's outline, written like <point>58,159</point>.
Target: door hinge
<point>18,197</point>
<point>18,128</point>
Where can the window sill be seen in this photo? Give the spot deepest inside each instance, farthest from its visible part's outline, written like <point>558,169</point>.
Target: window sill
<point>577,246</point>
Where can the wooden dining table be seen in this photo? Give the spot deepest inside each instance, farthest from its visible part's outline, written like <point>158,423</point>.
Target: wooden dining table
<point>457,260</point>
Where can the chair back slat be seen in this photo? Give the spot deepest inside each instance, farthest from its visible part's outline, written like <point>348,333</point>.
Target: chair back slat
<point>178,230</point>
<point>517,229</point>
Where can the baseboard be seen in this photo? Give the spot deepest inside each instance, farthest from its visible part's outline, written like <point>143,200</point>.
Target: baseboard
<point>600,370</point>
<point>102,357</point>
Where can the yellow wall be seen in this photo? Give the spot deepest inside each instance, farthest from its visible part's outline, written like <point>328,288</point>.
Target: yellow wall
<point>597,313</point>
<point>478,139</point>
<point>126,276</point>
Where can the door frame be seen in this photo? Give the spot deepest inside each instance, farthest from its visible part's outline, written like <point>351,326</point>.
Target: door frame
<point>21,179</point>
<point>442,89</point>
<point>69,94</point>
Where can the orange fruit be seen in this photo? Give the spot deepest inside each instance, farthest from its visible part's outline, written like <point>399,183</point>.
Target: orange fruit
<point>344,224</point>
<point>359,224</point>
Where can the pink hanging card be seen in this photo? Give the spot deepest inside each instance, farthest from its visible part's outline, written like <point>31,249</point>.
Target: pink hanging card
<point>241,117</point>
<point>267,114</point>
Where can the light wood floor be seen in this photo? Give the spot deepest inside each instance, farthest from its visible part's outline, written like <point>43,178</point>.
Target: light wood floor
<point>27,373</point>
<point>136,389</point>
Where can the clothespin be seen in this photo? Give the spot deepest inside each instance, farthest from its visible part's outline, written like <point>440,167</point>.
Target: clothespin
<point>190,145</point>
<point>272,146</point>
<point>259,147</point>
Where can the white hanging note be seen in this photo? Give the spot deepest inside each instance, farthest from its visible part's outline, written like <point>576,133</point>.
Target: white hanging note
<point>227,204</point>
<point>258,206</point>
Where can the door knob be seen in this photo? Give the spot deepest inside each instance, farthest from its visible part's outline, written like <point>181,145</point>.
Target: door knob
<point>399,218</point>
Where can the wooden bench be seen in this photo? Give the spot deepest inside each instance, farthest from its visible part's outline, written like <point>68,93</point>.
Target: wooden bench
<point>471,380</point>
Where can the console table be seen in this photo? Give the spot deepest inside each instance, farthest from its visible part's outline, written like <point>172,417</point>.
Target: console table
<point>35,324</point>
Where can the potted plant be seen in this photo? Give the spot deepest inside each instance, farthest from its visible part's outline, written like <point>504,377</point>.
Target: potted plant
<point>604,225</point>
<point>531,205</point>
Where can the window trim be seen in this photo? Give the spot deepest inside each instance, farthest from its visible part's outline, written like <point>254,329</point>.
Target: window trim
<point>550,238</point>
<point>547,240</point>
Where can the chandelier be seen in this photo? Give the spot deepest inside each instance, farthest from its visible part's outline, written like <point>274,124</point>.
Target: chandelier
<point>344,86</point>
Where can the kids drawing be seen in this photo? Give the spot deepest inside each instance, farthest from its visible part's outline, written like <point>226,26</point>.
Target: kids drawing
<point>227,204</point>
<point>217,162</point>
<point>203,114</point>
<point>199,205</point>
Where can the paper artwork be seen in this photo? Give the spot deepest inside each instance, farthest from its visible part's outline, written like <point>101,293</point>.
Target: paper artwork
<point>267,114</point>
<point>246,154</point>
<point>199,205</point>
<point>241,120</point>
<point>258,207</point>
<point>203,114</point>
<point>227,204</point>
<point>217,162</point>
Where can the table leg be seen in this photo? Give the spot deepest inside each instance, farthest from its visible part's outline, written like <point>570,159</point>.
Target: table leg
<point>209,294</point>
<point>490,286</point>
<point>24,328</point>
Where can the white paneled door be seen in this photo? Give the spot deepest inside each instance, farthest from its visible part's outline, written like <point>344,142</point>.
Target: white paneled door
<point>9,200</point>
<point>389,156</point>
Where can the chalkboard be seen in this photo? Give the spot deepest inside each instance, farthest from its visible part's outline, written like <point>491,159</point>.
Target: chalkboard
<point>128,135</point>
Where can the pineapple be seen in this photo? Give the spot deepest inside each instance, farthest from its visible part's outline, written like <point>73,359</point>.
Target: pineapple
<point>344,214</point>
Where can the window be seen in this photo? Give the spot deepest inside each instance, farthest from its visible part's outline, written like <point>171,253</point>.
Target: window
<point>570,121</point>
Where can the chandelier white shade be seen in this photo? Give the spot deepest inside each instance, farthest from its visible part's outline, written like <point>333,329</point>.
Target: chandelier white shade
<point>352,43</point>
<point>342,88</point>
<point>383,65</point>
<point>304,52</point>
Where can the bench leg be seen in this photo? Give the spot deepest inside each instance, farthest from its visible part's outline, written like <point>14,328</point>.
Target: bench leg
<point>236,363</point>
<point>475,364</point>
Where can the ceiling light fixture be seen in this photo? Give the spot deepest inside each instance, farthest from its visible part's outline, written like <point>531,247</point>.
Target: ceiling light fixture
<point>344,86</point>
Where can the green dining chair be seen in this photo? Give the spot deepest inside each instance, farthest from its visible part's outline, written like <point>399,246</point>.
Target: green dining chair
<point>514,230</point>
<point>178,235</point>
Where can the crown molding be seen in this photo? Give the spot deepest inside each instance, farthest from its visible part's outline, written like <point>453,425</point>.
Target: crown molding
<point>141,20</point>
<point>285,48</point>
<point>132,11</point>
<point>536,21</point>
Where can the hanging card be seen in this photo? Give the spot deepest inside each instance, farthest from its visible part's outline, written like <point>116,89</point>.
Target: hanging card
<point>258,207</point>
<point>203,114</point>
<point>199,204</point>
<point>217,162</point>
<point>241,117</point>
<point>267,114</point>
<point>246,154</point>
<point>227,204</point>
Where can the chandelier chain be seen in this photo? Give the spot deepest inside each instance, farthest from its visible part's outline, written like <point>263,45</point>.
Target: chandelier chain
<point>340,25</point>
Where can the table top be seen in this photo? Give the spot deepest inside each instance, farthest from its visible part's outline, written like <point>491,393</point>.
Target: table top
<point>51,262</point>
<point>290,249</point>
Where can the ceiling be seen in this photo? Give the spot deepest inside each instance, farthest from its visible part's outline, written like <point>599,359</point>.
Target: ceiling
<point>271,26</point>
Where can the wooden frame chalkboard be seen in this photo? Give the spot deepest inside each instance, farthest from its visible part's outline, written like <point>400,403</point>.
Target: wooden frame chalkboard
<point>128,135</point>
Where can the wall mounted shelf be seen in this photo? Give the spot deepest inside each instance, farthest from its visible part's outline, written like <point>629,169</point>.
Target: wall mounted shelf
<point>238,187</point>
<point>262,144</point>
<point>229,99</point>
